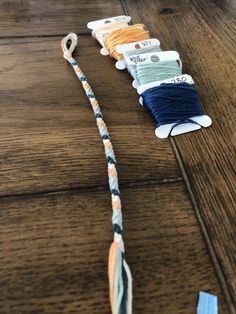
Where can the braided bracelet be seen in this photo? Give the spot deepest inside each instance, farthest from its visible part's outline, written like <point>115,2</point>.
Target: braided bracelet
<point>120,279</point>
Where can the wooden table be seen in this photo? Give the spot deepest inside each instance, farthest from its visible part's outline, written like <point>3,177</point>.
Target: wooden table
<point>178,194</point>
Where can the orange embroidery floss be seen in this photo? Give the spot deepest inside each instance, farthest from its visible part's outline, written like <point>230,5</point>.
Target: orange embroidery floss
<point>127,35</point>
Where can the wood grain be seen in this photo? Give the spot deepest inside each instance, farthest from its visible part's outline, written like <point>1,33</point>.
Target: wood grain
<point>208,156</point>
<point>53,247</point>
<point>224,32</point>
<point>49,139</point>
<point>228,7</point>
<point>50,17</point>
<point>54,252</point>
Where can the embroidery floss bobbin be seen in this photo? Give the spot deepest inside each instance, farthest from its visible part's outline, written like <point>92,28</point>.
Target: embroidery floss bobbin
<point>154,66</point>
<point>103,31</point>
<point>175,107</point>
<point>120,279</point>
<point>102,28</point>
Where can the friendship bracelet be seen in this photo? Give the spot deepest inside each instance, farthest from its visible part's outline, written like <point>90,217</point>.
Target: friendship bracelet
<point>120,279</point>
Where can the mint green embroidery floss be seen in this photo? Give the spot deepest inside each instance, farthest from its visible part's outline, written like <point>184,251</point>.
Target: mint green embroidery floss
<point>157,71</point>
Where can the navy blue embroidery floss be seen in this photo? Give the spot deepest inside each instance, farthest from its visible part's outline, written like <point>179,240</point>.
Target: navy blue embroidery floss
<point>172,103</point>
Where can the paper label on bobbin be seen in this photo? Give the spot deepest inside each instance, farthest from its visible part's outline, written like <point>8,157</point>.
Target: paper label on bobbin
<point>142,44</point>
<point>153,57</point>
<point>184,78</point>
<point>97,23</point>
<point>138,45</point>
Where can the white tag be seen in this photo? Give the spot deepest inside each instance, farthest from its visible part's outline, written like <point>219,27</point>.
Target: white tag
<point>152,57</point>
<point>184,78</point>
<point>121,18</point>
<point>137,45</point>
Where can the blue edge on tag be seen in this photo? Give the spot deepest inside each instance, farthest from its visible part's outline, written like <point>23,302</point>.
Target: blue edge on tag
<point>207,303</point>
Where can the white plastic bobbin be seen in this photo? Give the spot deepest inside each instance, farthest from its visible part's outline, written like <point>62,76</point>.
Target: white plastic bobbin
<point>97,23</point>
<point>164,131</point>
